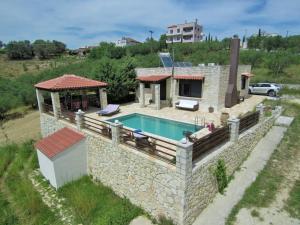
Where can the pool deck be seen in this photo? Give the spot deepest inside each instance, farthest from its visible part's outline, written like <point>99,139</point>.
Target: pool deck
<point>184,115</point>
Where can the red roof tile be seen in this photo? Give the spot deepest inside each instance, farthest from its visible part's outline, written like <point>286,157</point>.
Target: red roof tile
<point>189,77</point>
<point>153,78</point>
<point>69,81</point>
<point>58,141</point>
<point>247,74</point>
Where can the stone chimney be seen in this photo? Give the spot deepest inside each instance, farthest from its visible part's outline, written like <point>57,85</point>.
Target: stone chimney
<point>232,95</point>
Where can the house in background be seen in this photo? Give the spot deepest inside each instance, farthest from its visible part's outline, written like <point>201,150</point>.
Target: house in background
<point>62,156</point>
<point>206,84</point>
<point>184,33</point>
<point>126,41</point>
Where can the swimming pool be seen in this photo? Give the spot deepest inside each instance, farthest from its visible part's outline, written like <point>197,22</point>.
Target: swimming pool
<point>162,127</point>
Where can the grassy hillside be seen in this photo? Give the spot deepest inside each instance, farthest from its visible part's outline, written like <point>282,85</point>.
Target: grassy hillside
<point>15,68</point>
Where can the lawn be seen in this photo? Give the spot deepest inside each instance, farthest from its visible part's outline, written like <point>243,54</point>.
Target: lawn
<point>96,204</point>
<point>263,190</point>
<point>293,202</point>
<point>19,202</point>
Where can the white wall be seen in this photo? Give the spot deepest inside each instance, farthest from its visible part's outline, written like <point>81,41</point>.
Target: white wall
<point>46,167</point>
<point>70,164</point>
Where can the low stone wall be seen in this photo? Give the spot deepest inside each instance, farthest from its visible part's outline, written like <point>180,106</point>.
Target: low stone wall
<point>202,186</point>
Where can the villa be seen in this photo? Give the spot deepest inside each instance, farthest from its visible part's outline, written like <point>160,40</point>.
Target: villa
<point>151,152</point>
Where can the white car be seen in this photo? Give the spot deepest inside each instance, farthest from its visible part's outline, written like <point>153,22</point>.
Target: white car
<point>270,89</point>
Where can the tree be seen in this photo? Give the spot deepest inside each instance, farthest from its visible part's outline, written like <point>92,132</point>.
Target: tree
<point>277,62</point>
<point>121,78</point>
<point>59,47</point>
<point>252,57</point>
<point>42,49</point>
<point>19,50</point>
<point>1,44</point>
<point>162,42</point>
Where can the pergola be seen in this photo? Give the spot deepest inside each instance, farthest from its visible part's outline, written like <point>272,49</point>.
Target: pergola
<point>155,82</point>
<point>66,85</point>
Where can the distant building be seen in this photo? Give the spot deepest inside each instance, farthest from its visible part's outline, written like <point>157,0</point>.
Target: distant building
<point>187,32</point>
<point>126,41</point>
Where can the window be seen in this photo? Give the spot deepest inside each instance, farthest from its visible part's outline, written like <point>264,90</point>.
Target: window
<point>147,85</point>
<point>265,85</point>
<point>171,31</point>
<point>243,83</point>
<point>178,30</point>
<point>178,38</point>
<point>190,88</point>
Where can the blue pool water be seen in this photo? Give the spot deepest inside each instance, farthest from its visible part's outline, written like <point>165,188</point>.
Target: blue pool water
<point>162,127</point>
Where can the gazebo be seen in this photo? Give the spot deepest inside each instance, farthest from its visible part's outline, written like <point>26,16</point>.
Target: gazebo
<point>70,92</point>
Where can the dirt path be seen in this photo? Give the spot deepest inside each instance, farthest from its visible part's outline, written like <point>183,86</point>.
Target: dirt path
<point>21,129</point>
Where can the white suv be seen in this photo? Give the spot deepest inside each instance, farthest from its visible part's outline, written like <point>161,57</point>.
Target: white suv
<point>264,88</point>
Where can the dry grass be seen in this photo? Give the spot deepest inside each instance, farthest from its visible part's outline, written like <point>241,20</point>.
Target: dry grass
<point>15,68</point>
<point>21,129</point>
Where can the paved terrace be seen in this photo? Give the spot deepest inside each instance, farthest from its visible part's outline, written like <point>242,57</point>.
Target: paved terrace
<point>184,115</point>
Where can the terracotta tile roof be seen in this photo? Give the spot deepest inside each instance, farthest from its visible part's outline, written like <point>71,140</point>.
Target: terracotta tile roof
<point>189,77</point>
<point>68,82</point>
<point>247,74</point>
<point>58,141</point>
<point>153,78</point>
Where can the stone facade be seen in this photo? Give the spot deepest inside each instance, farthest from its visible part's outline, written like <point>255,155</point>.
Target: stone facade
<point>214,85</point>
<point>178,192</point>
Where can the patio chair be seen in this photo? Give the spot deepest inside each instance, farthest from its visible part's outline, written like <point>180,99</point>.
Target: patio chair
<point>187,104</point>
<point>109,110</point>
<point>142,140</point>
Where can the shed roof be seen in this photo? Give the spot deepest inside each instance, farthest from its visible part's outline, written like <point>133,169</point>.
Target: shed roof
<point>69,82</point>
<point>247,74</point>
<point>59,141</point>
<point>153,78</point>
<point>189,77</point>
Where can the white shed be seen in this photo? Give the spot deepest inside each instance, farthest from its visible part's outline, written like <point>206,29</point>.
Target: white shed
<point>62,156</point>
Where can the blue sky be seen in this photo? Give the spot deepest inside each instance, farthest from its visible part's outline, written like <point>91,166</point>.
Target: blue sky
<point>87,22</point>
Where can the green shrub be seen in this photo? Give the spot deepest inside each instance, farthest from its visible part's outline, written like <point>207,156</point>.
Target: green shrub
<point>220,174</point>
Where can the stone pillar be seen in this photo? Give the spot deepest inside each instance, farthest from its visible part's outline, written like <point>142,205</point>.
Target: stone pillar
<point>56,104</point>
<point>175,92</point>
<point>152,88</point>
<point>184,158</point>
<point>184,169</point>
<point>40,100</point>
<point>103,97</point>
<point>79,119</point>
<point>116,132</point>
<point>142,94</point>
<point>157,96</point>
<point>260,108</point>
<point>234,124</point>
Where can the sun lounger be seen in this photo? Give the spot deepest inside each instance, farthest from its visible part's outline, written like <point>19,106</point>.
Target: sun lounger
<point>109,110</point>
<point>187,104</point>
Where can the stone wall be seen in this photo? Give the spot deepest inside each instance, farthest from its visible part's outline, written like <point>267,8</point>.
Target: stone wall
<point>180,192</point>
<point>145,181</point>
<point>202,186</point>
